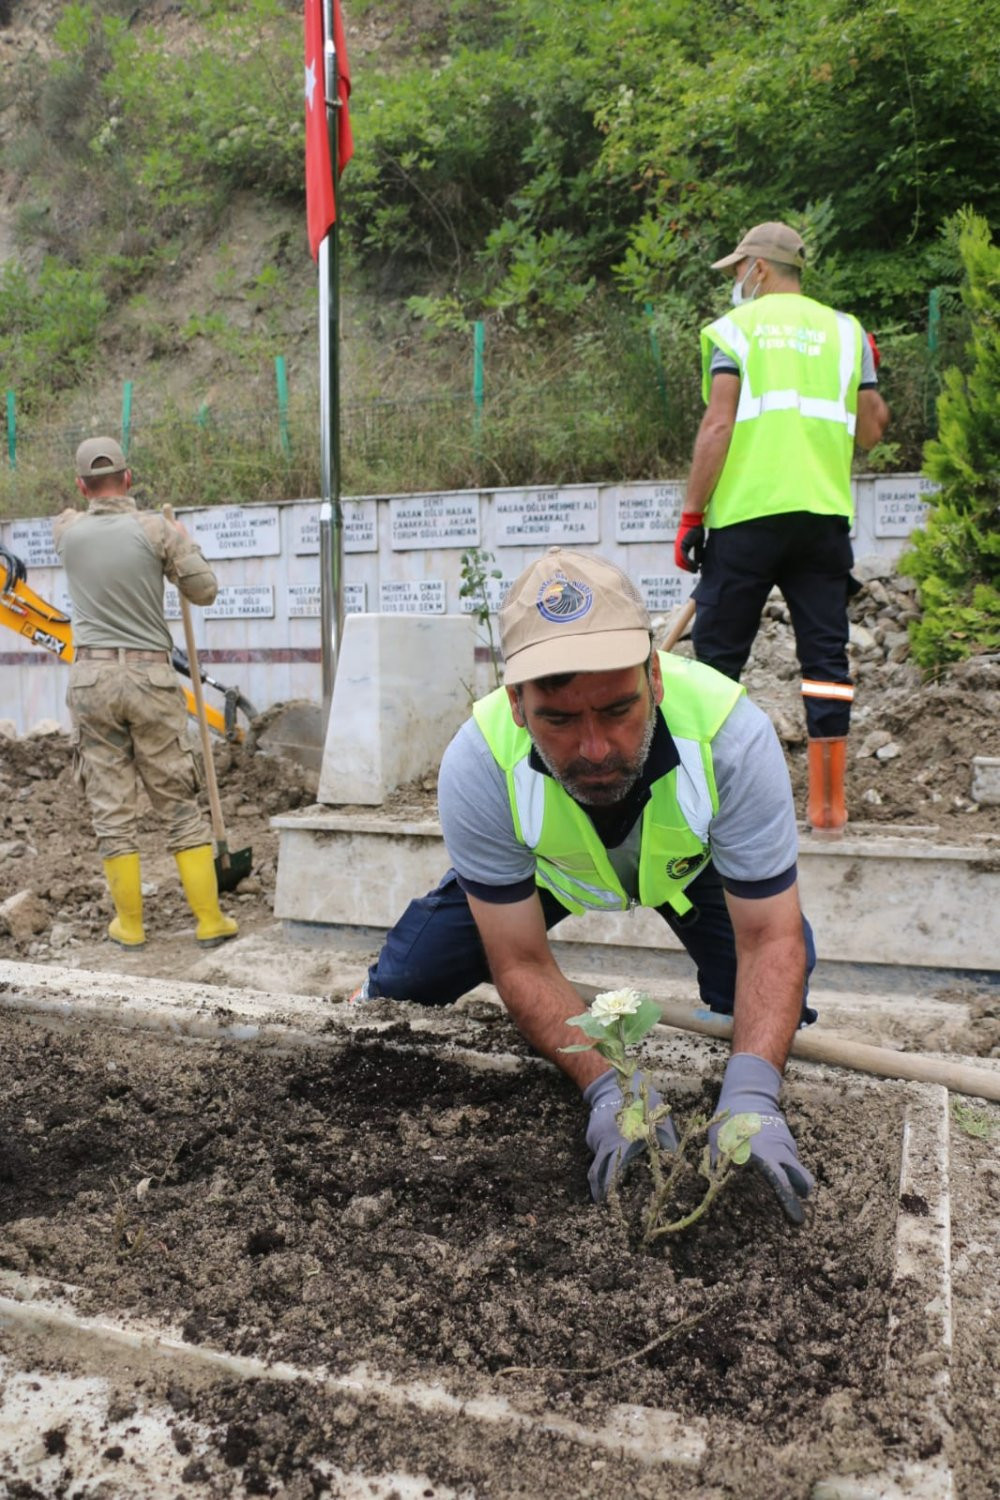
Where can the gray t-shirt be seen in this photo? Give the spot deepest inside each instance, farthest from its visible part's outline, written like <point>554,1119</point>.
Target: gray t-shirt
<point>753,837</point>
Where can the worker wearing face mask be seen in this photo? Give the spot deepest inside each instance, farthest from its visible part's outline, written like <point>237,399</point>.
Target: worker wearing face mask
<point>790,387</point>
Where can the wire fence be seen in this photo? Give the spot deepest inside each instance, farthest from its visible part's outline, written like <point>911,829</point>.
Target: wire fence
<point>626,412</point>
<point>525,433</point>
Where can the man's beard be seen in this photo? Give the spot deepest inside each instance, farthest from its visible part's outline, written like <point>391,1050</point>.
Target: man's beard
<point>610,792</point>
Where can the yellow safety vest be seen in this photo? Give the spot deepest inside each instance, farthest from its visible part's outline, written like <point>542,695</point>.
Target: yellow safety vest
<point>793,439</point>
<point>571,861</point>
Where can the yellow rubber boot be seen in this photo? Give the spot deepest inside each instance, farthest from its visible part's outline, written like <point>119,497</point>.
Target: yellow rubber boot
<point>197,872</point>
<point>125,885</point>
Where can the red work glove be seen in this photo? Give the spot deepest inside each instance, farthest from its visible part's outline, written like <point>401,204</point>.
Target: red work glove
<point>876,351</point>
<point>689,543</point>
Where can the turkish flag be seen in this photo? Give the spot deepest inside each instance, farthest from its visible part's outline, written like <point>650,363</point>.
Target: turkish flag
<point>321,207</point>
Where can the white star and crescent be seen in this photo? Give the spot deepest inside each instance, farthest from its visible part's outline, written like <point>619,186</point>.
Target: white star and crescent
<point>310,83</point>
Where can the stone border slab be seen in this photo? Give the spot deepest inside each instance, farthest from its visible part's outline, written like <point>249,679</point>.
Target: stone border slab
<point>869,899</point>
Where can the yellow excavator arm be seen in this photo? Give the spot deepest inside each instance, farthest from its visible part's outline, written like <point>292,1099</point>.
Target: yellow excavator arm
<point>31,616</point>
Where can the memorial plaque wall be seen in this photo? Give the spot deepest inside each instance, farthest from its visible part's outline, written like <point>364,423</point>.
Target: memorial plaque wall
<point>547,518</point>
<point>421,522</point>
<point>424,597</point>
<point>648,513</point>
<point>901,504</point>
<point>237,531</point>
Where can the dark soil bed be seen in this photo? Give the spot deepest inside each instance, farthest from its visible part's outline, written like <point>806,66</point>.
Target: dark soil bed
<point>391,1206</point>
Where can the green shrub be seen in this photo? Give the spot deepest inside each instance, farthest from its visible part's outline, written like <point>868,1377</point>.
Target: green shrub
<point>956,557</point>
<point>49,329</point>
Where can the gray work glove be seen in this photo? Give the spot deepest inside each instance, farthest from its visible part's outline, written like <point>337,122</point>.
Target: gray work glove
<point>612,1152</point>
<point>751,1086</point>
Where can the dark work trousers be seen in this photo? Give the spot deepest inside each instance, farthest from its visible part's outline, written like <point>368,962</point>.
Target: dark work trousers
<point>809,558</point>
<point>434,953</point>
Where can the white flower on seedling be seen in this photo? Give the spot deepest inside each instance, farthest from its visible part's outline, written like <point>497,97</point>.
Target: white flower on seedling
<point>608,1006</point>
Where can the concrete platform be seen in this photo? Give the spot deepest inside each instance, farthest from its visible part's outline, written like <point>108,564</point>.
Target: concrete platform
<point>870,898</point>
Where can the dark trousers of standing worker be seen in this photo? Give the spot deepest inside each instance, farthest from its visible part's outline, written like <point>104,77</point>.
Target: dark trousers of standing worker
<point>434,953</point>
<point>809,558</point>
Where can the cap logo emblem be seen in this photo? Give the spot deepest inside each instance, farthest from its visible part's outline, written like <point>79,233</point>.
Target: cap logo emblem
<point>562,600</point>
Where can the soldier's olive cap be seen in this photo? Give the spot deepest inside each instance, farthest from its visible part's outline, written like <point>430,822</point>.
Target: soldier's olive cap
<point>571,612</point>
<point>772,241</point>
<point>99,455</point>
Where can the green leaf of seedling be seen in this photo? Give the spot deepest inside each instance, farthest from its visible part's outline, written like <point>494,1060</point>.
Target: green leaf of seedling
<point>641,1021</point>
<point>735,1136</point>
<point>579,1047</point>
<point>632,1121</point>
<point>589,1025</point>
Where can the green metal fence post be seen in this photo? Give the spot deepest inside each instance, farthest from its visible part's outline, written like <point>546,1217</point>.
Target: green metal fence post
<point>11,431</point>
<point>933,319</point>
<point>126,416</point>
<point>654,344</point>
<point>281,379</point>
<point>478,345</point>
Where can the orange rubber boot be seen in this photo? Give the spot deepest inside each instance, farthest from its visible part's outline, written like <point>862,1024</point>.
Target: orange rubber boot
<point>827,807</point>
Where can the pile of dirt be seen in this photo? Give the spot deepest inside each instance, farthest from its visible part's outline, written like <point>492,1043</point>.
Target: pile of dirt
<point>47,843</point>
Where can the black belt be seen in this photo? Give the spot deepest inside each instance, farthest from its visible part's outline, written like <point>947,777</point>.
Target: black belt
<point>118,653</point>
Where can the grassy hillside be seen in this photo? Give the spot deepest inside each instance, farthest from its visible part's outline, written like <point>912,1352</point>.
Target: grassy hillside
<point>558,171</point>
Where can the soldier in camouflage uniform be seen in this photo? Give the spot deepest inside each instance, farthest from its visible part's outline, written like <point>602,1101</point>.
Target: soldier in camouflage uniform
<point>128,710</point>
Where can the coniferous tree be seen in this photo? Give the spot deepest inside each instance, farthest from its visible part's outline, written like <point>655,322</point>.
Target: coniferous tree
<point>956,556</point>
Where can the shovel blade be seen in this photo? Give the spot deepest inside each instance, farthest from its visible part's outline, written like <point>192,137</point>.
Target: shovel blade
<point>232,866</point>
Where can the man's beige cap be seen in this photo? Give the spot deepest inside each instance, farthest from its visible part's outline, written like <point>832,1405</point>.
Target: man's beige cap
<point>774,241</point>
<point>100,455</point>
<point>570,612</point>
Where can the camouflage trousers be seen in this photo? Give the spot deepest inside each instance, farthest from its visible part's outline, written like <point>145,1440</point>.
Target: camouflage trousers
<point>130,725</point>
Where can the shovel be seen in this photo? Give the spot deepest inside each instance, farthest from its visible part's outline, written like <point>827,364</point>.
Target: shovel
<point>231,866</point>
<point>678,628</point>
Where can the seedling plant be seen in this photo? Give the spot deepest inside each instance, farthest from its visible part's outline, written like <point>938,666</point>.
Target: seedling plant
<point>617,1022</point>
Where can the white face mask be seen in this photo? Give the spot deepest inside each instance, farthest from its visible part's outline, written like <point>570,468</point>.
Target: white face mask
<point>738,294</point>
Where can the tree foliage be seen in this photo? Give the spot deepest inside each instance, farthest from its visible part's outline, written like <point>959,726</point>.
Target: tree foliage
<point>564,169</point>
<point>636,140</point>
<point>956,557</point>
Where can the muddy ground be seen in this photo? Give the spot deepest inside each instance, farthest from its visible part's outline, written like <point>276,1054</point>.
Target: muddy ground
<point>386,1206</point>
<point>391,1205</point>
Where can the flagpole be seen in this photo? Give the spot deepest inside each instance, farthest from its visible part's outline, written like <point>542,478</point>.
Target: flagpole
<point>331,522</point>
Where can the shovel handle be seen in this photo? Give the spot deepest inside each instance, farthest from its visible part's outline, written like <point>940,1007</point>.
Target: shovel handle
<point>211,785</point>
<point>677,629</point>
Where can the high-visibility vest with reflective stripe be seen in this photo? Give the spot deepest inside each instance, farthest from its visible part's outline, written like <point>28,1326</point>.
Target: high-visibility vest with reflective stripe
<point>793,439</point>
<point>571,861</point>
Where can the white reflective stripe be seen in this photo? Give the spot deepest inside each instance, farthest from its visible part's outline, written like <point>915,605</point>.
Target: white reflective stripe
<point>828,690</point>
<point>751,406</point>
<point>580,891</point>
<point>847,352</point>
<point>693,795</point>
<point>734,334</point>
<point>529,793</point>
<point>847,328</point>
